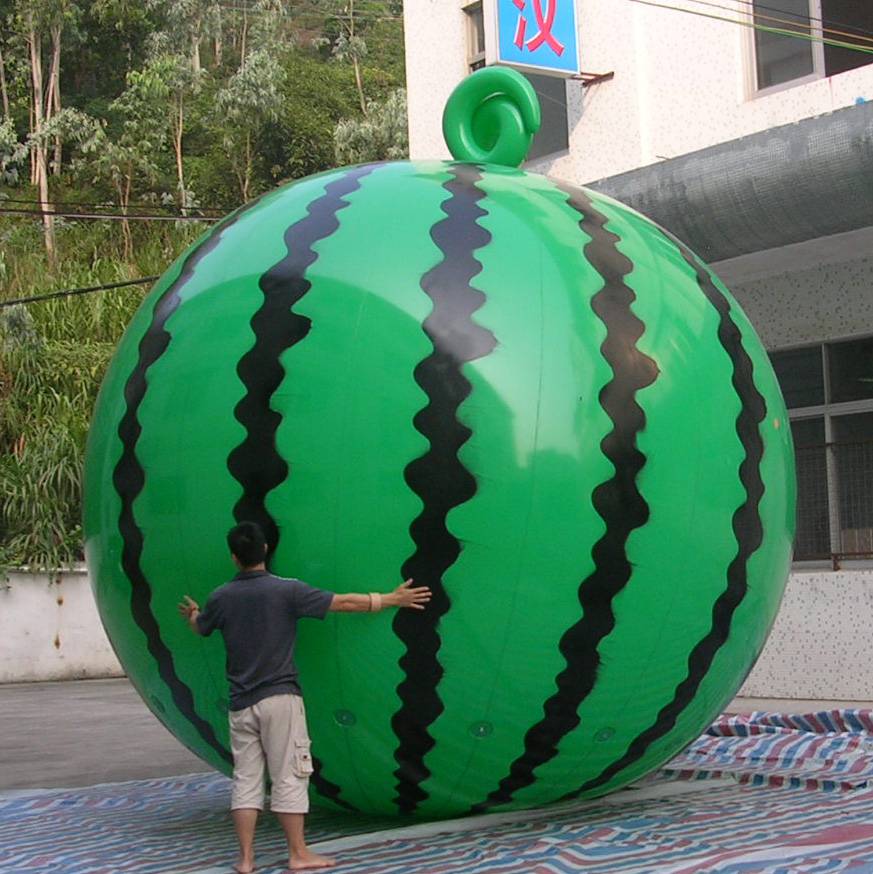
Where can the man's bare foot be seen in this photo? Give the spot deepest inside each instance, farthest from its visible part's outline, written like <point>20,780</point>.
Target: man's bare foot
<point>307,860</point>
<point>244,866</point>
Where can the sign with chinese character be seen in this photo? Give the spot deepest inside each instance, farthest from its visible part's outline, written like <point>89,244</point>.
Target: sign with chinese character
<point>537,35</point>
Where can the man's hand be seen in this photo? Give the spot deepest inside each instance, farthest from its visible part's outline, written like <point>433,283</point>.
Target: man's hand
<point>189,610</point>
<point>403,596</point>
<point>187,607</point>
<point>407,596</point>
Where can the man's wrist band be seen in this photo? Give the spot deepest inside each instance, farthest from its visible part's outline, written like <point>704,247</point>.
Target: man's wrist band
<point>375,602</point>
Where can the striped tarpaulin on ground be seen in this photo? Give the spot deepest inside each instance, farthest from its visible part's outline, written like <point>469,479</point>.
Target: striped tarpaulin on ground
<point>667,825</point>
<point>826,750</point>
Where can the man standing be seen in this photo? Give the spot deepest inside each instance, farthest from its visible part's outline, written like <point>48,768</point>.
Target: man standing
<point>257,615</point>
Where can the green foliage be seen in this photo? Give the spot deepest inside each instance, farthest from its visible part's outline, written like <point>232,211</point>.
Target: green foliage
<point>250,100</point>
<point>315,96</point>
<point>52,359</point>
<point>12,153</point>
<point>140,107</point>
<point>89,253</point>
<point>381,136</point>
<point>47,389</point>
<point>162,100</point>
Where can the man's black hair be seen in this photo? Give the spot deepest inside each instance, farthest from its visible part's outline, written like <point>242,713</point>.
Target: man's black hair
<point>247,542</point>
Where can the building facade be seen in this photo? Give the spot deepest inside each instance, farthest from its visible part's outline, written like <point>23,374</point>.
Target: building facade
<point>746,128</point>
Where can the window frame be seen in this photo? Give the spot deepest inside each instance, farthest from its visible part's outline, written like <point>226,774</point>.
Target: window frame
<point>818,57</point>
<point>829,411</point>
<point>474,60</point>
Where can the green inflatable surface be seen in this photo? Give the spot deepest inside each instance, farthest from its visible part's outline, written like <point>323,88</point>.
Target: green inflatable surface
<point>517,392</point>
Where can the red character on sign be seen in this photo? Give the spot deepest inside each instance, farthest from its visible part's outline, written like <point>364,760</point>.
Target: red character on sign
<point>544,21</point>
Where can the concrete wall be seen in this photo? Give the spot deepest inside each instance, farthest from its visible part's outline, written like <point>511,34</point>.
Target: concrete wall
<point>820,302</point>
<point>50,630</point>
<point>682,83</point>
<point>817,649</point>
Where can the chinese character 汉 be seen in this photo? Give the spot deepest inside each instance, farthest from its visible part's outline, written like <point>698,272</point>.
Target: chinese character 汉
<point>544,21</point>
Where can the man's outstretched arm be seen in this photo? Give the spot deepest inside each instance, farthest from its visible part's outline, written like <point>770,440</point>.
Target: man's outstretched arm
<point>405,595</point>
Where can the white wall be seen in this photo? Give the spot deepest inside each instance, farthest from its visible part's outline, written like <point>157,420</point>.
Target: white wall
<point>817,649</point>
<point>819,645</point>
<point>50,630</point>
<point>819,302</point>
<point>682,83</point>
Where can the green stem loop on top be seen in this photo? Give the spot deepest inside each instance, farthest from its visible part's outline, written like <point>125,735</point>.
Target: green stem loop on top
<point>491,117</point>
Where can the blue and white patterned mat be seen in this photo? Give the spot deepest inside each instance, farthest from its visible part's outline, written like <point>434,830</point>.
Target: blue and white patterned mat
<point>766,813</point>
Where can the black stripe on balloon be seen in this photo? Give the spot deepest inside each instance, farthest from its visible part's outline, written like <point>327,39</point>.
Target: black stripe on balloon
<point>129,480</point>
<point>325,788</point>
<point>256,463</point>
<point>438,477</point>
<point>617,501</point>
<point>747,528</point>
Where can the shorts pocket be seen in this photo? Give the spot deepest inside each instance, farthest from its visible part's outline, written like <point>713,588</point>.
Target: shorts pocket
<point>302,762</point>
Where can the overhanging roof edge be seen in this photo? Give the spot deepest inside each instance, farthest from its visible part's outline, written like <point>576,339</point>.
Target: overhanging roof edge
<point>788,184</point>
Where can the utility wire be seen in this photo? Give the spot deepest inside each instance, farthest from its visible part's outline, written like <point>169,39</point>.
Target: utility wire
<point>106,216</point>
<point>321,15</point>
<point>756,5</point>
<point>72,292</point>
<point>779,31</point>
<point>104,205</point>
<point>796,22</point>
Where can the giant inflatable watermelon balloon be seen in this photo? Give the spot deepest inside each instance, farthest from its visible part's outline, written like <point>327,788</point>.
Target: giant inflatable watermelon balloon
<point>521,394</point>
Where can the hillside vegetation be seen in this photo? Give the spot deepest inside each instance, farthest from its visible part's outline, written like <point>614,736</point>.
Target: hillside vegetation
<point>152,118</point>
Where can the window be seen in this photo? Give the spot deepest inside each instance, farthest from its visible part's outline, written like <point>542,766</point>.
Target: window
<point>475,36</point>
<point>829,393</point>
<point>780,59</point>
<point>553,135</point>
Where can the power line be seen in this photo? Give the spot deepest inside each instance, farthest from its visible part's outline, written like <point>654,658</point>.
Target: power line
<point>105,205</point>
<point>776,30</point>
<point>320,14</point>
<point>106,216</point>
<point>756,5</point>
<point>797,21</point>
<point>72,292</point>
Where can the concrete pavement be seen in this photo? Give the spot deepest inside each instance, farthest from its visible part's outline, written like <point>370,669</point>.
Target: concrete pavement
<point>83,732</point>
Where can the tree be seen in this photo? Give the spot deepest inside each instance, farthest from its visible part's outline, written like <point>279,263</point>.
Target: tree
<point>346,44</point>
<point>186,24</point>
<point>126,20</point>
<point>130,155</point>
<point>315,96</point>
<point>352,49</point>
<point>31,24</point>
<point>12,153</point>
<point>382,135</point>
<point>4,91</point>
<point>172,80</point>
<point>251,98</point>
<point>348,30</point>
<point>34,20</point>
<point>133,153</point>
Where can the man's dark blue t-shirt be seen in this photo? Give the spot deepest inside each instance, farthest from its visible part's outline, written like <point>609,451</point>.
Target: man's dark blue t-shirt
<point>257,615</point>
